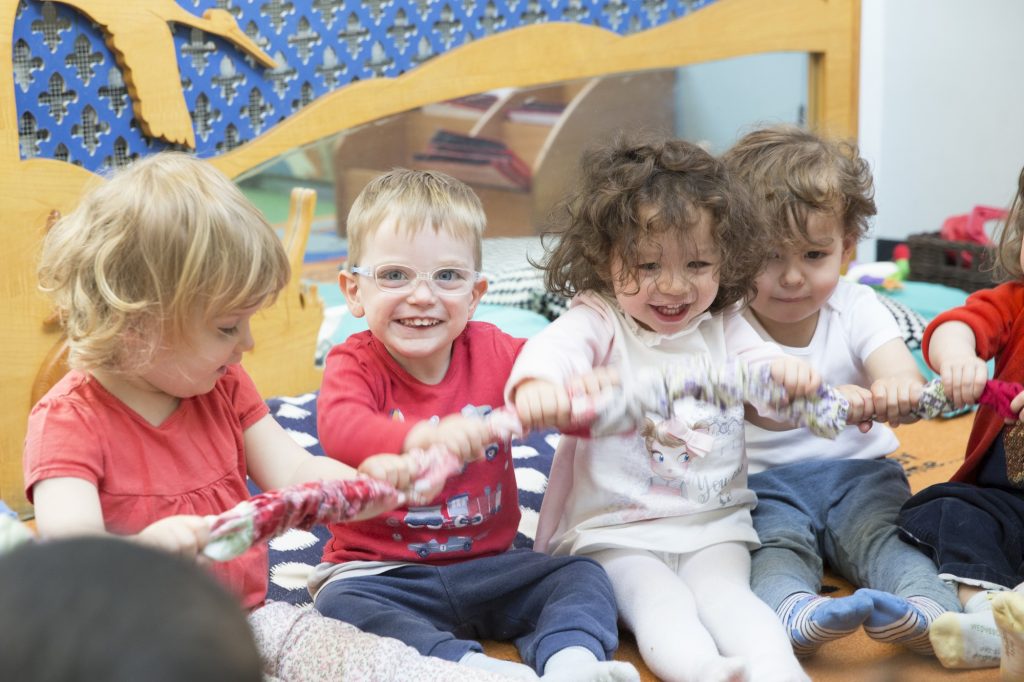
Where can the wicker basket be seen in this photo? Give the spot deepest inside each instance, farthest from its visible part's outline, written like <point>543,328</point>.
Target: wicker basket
<point>965,265</point>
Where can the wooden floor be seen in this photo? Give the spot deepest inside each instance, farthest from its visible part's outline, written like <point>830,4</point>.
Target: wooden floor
<point>930,452</point>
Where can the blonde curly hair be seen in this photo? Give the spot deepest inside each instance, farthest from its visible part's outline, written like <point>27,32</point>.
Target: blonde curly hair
<point>163,241</point>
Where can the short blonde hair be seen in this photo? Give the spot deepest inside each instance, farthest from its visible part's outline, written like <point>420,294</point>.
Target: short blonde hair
<point>791,172</point>
<point>163,241</point>
<point>414,199</point>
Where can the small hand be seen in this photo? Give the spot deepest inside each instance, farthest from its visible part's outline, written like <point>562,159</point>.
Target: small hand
<point>465,436</point>
<point>861,406</point>
<point>963,378</point>
<point>398,470</point>
<point>895,398</point>
<point>401,471</point>
<point>542,403</point>
<point>183,535</point>
<point>594,383</point>
<point>1017,405</point>
<point>798,378</point>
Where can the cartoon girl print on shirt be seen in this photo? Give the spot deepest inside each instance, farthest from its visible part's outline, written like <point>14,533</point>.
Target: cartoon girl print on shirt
<point>671,445</point>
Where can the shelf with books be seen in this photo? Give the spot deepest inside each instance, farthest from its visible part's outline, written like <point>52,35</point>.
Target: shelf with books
<point>519,165</point>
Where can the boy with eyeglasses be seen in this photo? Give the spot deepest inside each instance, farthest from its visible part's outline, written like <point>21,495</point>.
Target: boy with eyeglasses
<point>440,576</point>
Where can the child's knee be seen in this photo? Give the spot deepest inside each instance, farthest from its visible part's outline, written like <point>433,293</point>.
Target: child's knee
<point>585,566</point>
<point>338,601</point>
<point>587,572</point>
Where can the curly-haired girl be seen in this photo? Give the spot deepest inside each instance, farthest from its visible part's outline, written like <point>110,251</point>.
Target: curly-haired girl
<point>657,250</point>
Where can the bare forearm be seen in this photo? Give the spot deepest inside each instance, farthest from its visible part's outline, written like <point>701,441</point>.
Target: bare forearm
<point>949,341</point>
<point>320,469</point>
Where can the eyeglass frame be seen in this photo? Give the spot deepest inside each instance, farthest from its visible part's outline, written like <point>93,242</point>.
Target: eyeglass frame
<point>421,276</point>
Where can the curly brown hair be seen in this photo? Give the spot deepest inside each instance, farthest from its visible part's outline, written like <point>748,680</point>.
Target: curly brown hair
<point>791,172</point>
<point>633,189</point>
<point>1011,236</point>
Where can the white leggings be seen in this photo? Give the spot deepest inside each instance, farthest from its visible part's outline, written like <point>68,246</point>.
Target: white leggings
<point>691,611</point>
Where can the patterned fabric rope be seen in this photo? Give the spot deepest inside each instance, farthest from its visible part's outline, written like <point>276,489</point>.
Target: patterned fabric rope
<point>996,394</point>
<point>732,383</point>
<point>302,506</point>
<point>616,410</point>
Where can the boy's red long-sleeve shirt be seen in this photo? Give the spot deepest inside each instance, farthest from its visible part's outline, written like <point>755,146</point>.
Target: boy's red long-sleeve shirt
<point>367,405</point>
<point>994,315</point>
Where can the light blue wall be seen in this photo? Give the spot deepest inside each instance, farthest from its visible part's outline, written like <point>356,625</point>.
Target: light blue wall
<point>719,101</point>
<point>941,108</point>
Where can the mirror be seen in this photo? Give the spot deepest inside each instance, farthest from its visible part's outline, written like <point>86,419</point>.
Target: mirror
<point>518,148</point>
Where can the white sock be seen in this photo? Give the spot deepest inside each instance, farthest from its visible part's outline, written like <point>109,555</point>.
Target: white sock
<point>969,639</point>
<point>579,664</point>
<point>1008,611</point>
<point>517,671</point>
<point>980,602</point>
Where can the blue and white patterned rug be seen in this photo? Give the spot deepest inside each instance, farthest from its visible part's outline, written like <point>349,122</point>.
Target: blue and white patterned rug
<point>294,554</point>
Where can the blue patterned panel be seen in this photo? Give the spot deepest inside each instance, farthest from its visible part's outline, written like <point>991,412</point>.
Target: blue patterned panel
<point>73,105</point>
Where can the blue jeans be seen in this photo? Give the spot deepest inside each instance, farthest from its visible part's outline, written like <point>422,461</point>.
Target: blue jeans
<point>543,603</point>
<point>843,512</point>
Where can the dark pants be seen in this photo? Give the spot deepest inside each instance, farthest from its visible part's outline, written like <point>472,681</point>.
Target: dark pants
<point>543,603</point>
<point>973,531</point>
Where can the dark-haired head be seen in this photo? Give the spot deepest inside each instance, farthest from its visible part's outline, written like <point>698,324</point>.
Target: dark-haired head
<point>633,190</point>
<point>102,608</point>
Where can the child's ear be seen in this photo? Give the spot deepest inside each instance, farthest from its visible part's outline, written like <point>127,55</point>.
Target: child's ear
<point>349,284</point>
<point>479,289</point>
<point>849,250</point>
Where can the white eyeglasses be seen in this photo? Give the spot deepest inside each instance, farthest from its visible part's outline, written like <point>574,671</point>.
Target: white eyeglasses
<point>402,279</point>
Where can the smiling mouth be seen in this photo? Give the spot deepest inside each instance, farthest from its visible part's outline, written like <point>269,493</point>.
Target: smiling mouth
<point>670,310</point>
<point>419,322</point>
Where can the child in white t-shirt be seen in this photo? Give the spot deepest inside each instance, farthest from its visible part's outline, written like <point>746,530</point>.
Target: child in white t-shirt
<point>836,501</point>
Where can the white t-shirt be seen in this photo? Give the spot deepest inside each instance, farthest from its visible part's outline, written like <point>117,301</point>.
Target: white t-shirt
<point>852,325</point>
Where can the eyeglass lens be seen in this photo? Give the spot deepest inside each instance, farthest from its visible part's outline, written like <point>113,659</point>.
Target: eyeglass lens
<point>403,278</point>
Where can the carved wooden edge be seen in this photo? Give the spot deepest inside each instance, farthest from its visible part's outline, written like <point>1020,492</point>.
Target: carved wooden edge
<point>552,53</point>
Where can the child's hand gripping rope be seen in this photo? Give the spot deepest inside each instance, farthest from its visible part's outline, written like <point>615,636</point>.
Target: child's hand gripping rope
<point>620,409</point>
<point>997,394</point>
<point>303,506</point>
<point>732,383</point>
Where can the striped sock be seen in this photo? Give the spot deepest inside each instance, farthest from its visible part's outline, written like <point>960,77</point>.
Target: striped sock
<point>811,621</point>
<point>903,621</point>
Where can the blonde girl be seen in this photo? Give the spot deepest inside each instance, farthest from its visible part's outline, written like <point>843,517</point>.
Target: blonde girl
<point>157,275</point>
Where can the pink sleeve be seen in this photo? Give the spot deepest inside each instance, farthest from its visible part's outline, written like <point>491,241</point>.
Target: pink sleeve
<point>350,421</point>
<point>60,443</point>
<point>577,342</point>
